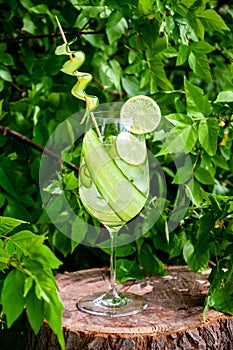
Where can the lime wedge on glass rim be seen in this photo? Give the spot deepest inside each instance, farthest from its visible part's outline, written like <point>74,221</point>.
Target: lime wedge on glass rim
<point>131,149</point>
<point>140,114</point>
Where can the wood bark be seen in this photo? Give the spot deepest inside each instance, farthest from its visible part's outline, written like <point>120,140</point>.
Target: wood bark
<point>173,319</point>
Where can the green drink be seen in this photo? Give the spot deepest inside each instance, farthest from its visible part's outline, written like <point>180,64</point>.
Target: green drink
<point>113,187</point>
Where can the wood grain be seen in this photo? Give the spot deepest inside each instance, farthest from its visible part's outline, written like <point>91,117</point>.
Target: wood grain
<point>173,319</point>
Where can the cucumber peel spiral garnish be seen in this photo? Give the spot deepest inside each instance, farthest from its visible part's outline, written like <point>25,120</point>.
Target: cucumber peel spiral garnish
<point>71,67</point>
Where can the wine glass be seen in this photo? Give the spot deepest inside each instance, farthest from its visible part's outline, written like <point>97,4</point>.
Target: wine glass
<point>114,186</point>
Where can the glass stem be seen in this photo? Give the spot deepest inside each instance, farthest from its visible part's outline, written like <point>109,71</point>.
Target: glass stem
<point>112,287</point>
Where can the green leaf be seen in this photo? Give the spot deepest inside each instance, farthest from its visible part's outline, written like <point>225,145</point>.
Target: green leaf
<point>202,47</point>
<point>184,173</point>
<point>40,9</point>
<point>45,284</point>
<point>6,59</point>
<point>200,29</point>
<point>8,224</point>
<point>26,240</point>
<point>220,162</point>
<point>45,256</point>
<point>183,54</point>
<point>179,139</point>
<point>195,193</point>
<point>179,120</point>
<point>107,75</point>
<point>6,184</point>
<point>34,310</point>
<point>160,6</point>
<point>128,270</point>
<point>224,96</point>
<point>130,85</point>
<point>4,259</point>
<point>70,181</point>
<point>61,242</point>
<point>116,27</point>
<point>78,233</point>
<point>221,286</point>
<point>197,262</point>
<point>29,281</point>
<point>53,314</point>
<point>28,24</point>
<point>10,247</point>
<point>12,296</point>
<point>212,20</point>
<point>204,176</point>
<point>197,104</point>
<point>197,255</point>
<point>5,73</point>
<point>187,3</point>
<point>116,68</point>
<point>206,224</point>
<point>150,262</point>
<point>208,135</point>
<point>1,111</point>
<point>200,65</point>
<point>158,76</point>
<point>174,246</point>
<point>145,6</point>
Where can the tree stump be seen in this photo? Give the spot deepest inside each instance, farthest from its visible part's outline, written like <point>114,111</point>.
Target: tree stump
<point>173,319</point>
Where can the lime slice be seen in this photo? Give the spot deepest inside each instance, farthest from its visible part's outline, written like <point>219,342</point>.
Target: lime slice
<point>140,114</point>
<point>131,149</point>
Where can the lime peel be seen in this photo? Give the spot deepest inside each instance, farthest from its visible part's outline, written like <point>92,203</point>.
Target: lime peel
<point>140,114</point>
<point>130,149</point>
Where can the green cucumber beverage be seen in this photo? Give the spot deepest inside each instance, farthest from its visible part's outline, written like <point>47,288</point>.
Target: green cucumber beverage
<point>114,176</point>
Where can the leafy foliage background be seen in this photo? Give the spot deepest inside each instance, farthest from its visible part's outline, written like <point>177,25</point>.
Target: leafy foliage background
<point>178,52</point>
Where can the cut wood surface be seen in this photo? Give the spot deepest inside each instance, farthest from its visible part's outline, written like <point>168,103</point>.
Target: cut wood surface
<point>173,319</point>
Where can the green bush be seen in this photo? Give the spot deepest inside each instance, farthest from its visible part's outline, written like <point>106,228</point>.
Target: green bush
<point>178,52</point>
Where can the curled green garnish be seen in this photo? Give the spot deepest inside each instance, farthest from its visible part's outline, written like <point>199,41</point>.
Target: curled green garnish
<point>71,67</point>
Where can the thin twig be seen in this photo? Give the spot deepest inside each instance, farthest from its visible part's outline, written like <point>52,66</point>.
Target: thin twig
<point>96,125</point>
<point>7,131</point>
<point>63,35</point>
<point>49,35</point>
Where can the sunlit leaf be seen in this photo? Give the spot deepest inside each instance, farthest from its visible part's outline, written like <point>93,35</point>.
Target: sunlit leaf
<point>212,20</point>
<point>225,96</point>
<point>116,27</point>
<point>182,55</point>
<point>208,135</point>
<point>197,103</point>
<point>145,6</point>
<point>200,65</point>
<point>5,74</point>
<point>8,224</point>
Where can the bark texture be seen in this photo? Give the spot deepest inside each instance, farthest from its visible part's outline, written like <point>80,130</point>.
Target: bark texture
<point>173,319</point>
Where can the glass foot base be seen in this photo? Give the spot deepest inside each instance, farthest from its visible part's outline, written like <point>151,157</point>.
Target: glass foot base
<point>100,304</point>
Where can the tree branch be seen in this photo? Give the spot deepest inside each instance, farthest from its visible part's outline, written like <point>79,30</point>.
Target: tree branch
<point>49,35</point>
<point>7,131</point>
